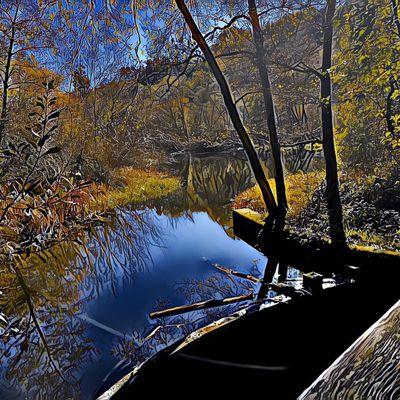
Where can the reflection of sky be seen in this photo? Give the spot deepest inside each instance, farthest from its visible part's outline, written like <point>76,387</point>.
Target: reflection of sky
<point>186,243</point>
<point>171,250</point>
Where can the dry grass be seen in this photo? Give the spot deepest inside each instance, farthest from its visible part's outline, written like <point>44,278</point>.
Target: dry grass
<point>138,187</point>
<point>300,188</point>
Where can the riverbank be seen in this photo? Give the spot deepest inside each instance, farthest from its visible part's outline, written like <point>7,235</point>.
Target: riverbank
<point>104,286</point>
<point>71,209</point>
<point>370,210</point>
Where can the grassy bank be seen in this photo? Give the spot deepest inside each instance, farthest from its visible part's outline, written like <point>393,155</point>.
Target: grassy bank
<point>135,186</point>
<point>370,211</point>
<point>300,188</point>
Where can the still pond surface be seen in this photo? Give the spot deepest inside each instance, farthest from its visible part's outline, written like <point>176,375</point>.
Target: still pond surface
<point>89,318</point>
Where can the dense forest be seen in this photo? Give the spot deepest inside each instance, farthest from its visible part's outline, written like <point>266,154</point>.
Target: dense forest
<point>109,108</point>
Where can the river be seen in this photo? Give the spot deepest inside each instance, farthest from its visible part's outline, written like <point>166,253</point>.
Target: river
<point>93,299</point>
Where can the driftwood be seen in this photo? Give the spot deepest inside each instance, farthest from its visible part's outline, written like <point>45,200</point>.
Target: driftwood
<point>229,271</point>
<point>280,288</point>
<point>200,306</point>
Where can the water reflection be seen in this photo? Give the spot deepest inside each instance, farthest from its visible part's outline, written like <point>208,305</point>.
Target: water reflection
<point>210,183</point>
<point>45,329</point>
<point>179,262</point>
<point>75,316</point>
<point>90,300</point>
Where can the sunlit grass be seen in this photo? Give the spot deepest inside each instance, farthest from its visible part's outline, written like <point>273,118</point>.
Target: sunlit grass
<point>137,187</point>
<point>299,187</point>
<point>374,240</point>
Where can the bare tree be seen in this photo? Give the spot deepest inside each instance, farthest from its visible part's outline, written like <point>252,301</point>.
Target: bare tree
<point>268,104</point>
<point>334,204</point>
<point>24,29</point>
<point>323,73</point>
<point>6,70</point>
<point>232,110</point>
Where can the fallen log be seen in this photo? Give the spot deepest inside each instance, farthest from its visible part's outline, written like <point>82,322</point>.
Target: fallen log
<point>200,306</point>
<point>280,288</point>
<point>310,253</point>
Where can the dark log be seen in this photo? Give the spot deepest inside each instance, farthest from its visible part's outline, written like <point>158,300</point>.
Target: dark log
<point>313,254</point>
<point>200,306</point>
<point>248,224</point>
<point>312,281</point>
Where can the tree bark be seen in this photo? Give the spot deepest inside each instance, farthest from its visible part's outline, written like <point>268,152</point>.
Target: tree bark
<point>232,110</point>
<point>389,108</point>
<point>334,204</point>
<point>269,106</point>
<point>395,9</point>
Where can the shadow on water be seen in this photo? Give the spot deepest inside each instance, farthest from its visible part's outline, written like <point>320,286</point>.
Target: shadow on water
<point>77,317</point>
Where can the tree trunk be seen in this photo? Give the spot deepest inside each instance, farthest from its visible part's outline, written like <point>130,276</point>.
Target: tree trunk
<point>269,106</point>
<point>232,110</point>
<point>332,182</point>
<point>6,84</point>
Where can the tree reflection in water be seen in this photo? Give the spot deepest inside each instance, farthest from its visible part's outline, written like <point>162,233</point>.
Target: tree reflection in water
<point>46,337</point>
<point>43,337</point>
<point>210,183</point>
<point>165,331</point>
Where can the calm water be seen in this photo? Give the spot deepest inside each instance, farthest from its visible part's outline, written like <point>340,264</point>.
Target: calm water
<point>92,302</point>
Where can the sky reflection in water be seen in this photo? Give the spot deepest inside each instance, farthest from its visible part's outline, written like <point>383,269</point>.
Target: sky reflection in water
<point>186,245</point>
<point>143,257</point>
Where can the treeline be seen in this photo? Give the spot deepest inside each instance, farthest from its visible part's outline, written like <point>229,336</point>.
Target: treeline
<point>119,102</point>
<point>319,30</point>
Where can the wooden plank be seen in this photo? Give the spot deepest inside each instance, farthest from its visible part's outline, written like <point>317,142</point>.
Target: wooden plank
<point>369,369</point>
